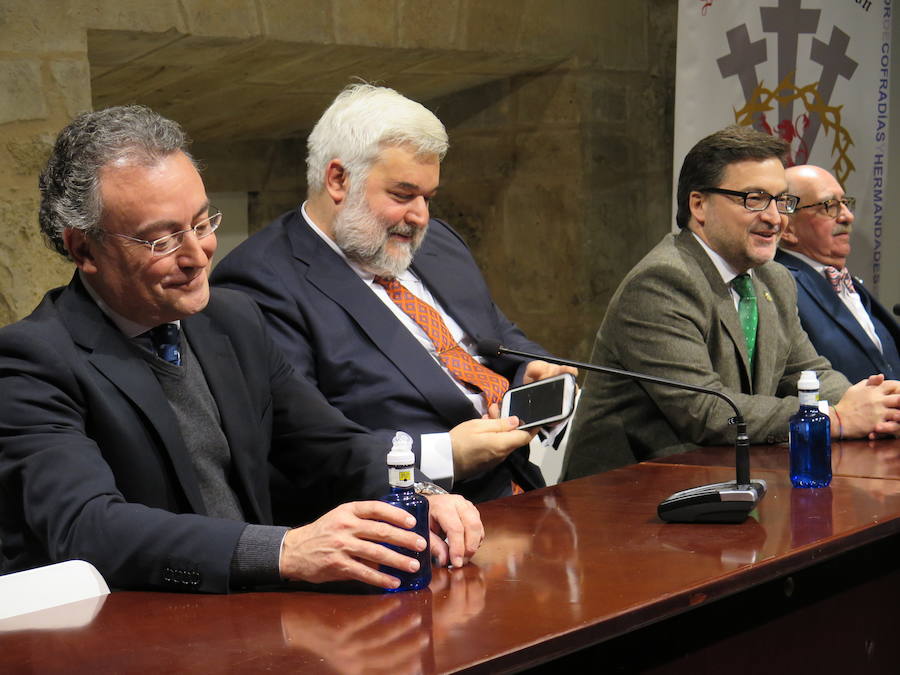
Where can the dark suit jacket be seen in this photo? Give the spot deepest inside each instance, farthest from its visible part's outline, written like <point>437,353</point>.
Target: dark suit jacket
<point>674,317</point>
<point>835,332</point>
<point>366,363</point>
<point>92,465</point>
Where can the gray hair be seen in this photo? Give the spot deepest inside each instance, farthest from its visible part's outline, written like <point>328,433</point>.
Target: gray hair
<point>360,122</point>
<point>70,183</point>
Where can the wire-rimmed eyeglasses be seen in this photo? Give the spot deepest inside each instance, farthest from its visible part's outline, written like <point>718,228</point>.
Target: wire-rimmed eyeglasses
<point>172,242</point>
<point>833,206</point>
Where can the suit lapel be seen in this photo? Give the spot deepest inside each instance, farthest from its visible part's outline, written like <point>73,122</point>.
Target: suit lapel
<point>831,304</point>
<point>111,354</point>
<point>331,275</point>
<point>442,278</point>
<point>221,369</point>
<point>769,327</point>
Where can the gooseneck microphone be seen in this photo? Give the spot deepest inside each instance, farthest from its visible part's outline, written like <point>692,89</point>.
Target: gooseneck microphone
<point>728,502</point>
<point>897,309</point>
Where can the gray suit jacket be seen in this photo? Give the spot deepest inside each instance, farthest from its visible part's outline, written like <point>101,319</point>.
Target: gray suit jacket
<point>674,317</point>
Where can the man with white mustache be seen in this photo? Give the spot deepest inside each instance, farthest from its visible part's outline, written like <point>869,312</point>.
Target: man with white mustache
<point>353,281</point>
<point>708,307</point>
<point>845,323</point>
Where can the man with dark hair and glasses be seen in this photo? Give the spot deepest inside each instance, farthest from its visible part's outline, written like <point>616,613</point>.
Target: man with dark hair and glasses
<point>707,306</point>
<point>141,412</point>
<point>845,323</point>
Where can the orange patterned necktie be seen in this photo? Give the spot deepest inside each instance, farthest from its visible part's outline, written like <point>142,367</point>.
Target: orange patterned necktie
<point>456,359</point>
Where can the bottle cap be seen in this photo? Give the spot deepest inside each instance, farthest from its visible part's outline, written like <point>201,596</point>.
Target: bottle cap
<point>401,453</point>
<point>808,381</point>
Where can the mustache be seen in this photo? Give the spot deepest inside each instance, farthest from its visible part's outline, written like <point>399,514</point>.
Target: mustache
<point>841,229</point>
<point>402,229</point>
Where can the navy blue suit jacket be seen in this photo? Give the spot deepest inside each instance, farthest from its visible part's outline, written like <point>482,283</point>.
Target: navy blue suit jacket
<point>339,335</point>
<point>835,332</point>
<point>92,464</point>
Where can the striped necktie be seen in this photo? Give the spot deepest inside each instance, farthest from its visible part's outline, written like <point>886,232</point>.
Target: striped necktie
<point>456,359</point>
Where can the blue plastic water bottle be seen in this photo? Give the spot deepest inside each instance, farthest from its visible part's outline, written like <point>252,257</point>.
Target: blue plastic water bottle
<point>810,434</point>
<point>402,477</point>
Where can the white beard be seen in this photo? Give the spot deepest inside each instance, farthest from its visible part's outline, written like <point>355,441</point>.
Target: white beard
<point>364,239</point>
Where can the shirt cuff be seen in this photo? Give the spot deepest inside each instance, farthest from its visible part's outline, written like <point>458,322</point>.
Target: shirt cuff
<point>256,557</point>
<point>437,458</point>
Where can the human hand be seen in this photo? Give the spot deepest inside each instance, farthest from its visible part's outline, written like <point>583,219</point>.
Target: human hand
<point>346,544</point>
<point>481,444</point>
<point>456,520</point>
<point>541,370</point>
<point>869,408</point>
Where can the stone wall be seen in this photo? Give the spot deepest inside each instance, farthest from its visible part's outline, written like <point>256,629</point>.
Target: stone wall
<point>559,114</point>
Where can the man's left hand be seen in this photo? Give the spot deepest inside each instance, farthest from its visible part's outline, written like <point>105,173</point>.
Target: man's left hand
<point>455,519</point>
<point>541,370</point>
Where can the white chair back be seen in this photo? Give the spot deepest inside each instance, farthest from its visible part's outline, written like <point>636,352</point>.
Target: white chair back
<point>49,586</point>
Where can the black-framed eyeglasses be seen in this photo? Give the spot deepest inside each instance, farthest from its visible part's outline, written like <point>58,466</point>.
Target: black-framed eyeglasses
<point>833,206</point>
<point>172,242</point>
<point>758,200</point>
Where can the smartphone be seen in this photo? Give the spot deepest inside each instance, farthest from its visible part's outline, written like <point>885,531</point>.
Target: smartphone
<point>542,402</point>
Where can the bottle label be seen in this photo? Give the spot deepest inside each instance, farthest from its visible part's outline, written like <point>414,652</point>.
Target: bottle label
<point>809,397</point>
<point>401,476</point>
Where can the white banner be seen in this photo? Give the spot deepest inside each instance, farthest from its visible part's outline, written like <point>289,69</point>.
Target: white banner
<point>813,72</point>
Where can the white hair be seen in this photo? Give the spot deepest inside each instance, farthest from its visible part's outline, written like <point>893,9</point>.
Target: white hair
<point>360,123</point>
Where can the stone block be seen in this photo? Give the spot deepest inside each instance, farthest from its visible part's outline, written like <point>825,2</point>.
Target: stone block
<point>73,82</point>
<point>29,154</point>
<point>563,28</point>
<point>429,23</point>
<point>28,27</point>
<point>373,22</point>
<point>479,156</point>
<point>550,97</point>
<point>222,18</point>
<point>27,267</point>
<point>556,151</point>
<point>625,44</point>
<point>491,26</point>
<point>23,90</point>
<point>307,21</point>
<point>127,15</point>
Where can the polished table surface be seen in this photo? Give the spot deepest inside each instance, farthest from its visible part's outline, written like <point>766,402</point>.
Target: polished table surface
<point>867,459</point>
<point>561,569</point>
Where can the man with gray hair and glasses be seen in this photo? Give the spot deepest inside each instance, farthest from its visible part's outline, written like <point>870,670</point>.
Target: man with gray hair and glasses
<point>140,410</point>
<point>708,307</point>
<point>381,306</point>
<point>846,324</point>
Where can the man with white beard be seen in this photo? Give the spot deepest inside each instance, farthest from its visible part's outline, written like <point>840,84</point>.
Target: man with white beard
<point>381,306</point>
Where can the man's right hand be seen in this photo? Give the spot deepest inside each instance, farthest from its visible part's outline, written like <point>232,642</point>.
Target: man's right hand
<point>346,544</point>
<point>479,445</point>
<point>868,409</point>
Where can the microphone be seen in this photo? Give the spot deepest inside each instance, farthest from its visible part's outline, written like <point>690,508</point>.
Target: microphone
<point>897,309</point>
<point>728,502</point>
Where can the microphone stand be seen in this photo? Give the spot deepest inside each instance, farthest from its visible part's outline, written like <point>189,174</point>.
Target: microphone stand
<point>714,503</point>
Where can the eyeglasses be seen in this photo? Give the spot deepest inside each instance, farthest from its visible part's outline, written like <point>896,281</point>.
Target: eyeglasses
<point>758,200</point>
<point>833,206</point>
<point>172,242</point>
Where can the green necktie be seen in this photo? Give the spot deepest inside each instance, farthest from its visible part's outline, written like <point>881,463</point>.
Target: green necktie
<point>748,312</point>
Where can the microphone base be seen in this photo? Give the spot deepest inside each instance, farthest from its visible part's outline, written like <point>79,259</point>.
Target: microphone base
<point>714,503</point>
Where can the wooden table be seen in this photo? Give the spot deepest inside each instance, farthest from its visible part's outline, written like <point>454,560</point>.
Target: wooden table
<point>583,572</point>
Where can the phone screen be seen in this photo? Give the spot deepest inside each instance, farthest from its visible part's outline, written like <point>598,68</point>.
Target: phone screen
<point>532,404</point>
